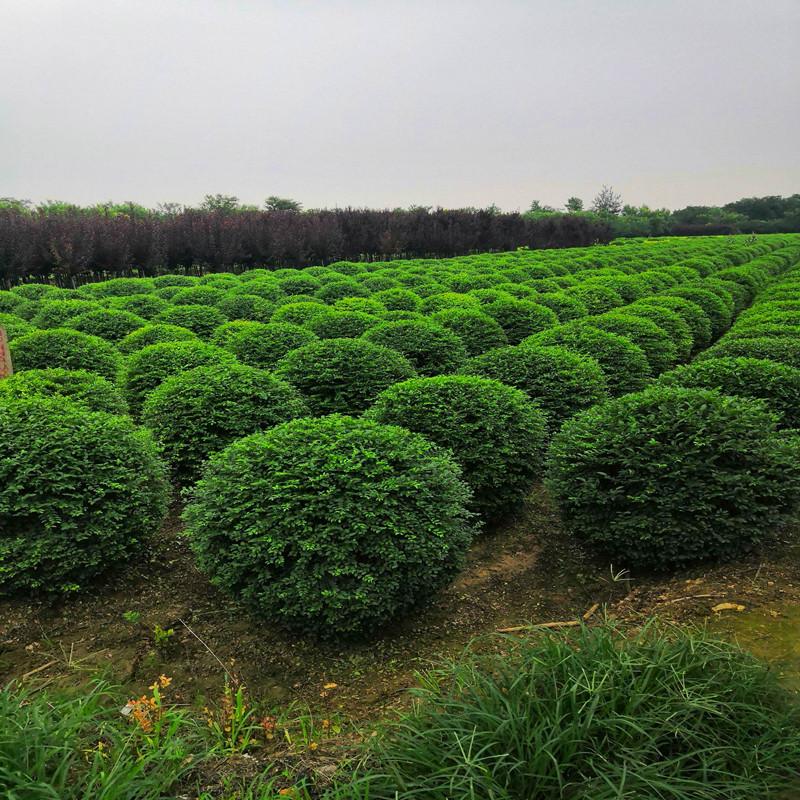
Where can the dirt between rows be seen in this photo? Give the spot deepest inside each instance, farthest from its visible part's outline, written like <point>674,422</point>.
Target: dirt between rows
<point>526,570</point>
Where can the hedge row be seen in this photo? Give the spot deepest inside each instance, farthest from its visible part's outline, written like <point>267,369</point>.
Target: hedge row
<point>703,463</point>
<point>463,369</point>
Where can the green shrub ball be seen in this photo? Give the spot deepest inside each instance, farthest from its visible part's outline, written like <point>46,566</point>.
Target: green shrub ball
<point>55,313</point>
<point>9,301</point>
<point>494,431</point>
<point>298,313</point>
<point>86,388</point>
<point>143,305</point>
<point>80,492</point>
<point>478,331</point>
<point>561,382</point>
<point>15,326</point>
<point>696,319</point>
<point>243,306</point>
<point>113,326</point>
<point>625,366</point>
<point>155,334</point>
<point>333,324</point>
<point>259,345</point>
<point>145,369</point>
<point>783,350</point>
<point>343,375</point>
<point>718,313</point>
<point>430,347</point>
<point>197,318</point>
<point>68,349</point>
<point>654,342</point>
<point>775,383</point>
<point>672,476</point>
<point>671,323</point>
<point>521,318</point>
<point>200,412</point>
<point>331,526</point>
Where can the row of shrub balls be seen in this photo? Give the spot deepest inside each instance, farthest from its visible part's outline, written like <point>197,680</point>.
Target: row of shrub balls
<point>342,433</point>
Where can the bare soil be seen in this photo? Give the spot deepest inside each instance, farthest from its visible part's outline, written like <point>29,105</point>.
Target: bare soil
<point>526,570</point>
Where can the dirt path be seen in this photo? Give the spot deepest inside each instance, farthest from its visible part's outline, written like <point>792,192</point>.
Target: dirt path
<point>525,571</point>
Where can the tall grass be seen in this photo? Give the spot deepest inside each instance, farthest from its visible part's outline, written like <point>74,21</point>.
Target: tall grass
<point>63,746</point>
<point>592,714</point>
<point>76,745</point>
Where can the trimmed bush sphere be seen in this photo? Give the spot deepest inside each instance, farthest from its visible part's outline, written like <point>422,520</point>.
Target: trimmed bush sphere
<point>694,316</point>
<point>478,331</point>
<point>596,299</point>
<point>143,305</point>
<point>113,326</point>
<point>719,315</point>
<point>494,431</point>
<point>54,313</point>
<point>566,307</point>
<point>561,382</point>
<point>9,301</point>
<point>399,299</point>
<point>200,319</point>
<point>68,349</point>
<point>200,412</point>
<point>155,334</point>
<point>259,345</point>
<point>298,313</point>
<point>145,369</point>
<point>654,342</point>
<point>198,296</point>
<point>341,324</point>
<point>246,306</point>
<point>430,347</point>
<point>331,526</point>
<point>766,380</point>
<point>15,326</point>
<point>624,364</point>
<point>79,493</point>
<point>118,287</point>
<point>343,375</point>
<point>671,476</point>
<point>784,350</point>
<point>521,318</point>
<point>671,323</point>
<point>86,388</point>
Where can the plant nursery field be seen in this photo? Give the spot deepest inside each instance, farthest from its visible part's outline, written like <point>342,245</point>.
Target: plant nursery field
<point>434,528</point>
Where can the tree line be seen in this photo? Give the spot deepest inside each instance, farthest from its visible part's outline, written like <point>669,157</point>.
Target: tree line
<point>69,245</point>
<point>771,214</point>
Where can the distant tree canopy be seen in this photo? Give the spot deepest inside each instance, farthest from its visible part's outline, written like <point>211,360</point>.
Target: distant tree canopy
<point>771,214</point>
<point>273,203</point>
<point>607,201</point>
<point>68,244</point>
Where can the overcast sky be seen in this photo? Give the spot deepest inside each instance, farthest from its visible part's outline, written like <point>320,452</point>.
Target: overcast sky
<point>385,103</point>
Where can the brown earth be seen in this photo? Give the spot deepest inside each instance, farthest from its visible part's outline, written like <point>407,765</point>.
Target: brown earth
<point>525,571</point>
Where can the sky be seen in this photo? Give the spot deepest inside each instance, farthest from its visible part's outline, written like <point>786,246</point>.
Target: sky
<point>387,103</point>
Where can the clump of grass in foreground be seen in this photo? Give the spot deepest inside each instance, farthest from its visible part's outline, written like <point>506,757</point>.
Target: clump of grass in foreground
<point>666,714</point>
<point>59,747</point>
<point>78,746</point>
